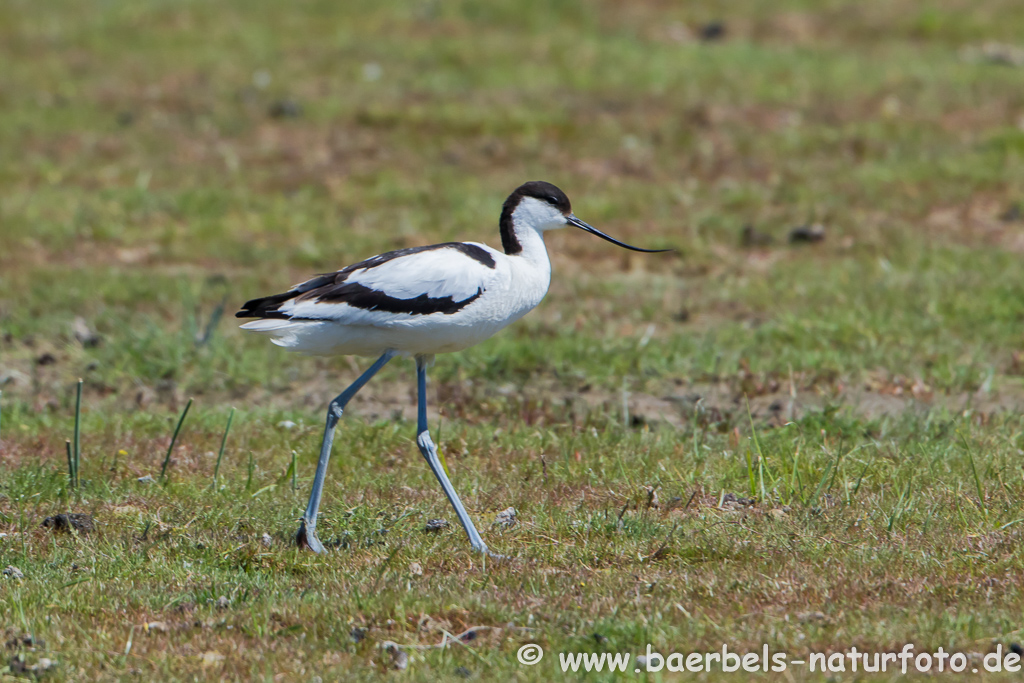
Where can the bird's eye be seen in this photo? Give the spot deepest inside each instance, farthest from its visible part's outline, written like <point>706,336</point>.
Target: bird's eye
<point>553,199</point>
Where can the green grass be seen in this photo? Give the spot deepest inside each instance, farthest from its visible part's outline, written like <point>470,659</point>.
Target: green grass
<point>864,394</point>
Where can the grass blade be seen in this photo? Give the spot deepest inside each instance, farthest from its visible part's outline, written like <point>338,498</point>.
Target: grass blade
<point>795,484</point>
<point>897,510</point>
<point>760,459</point>
<point>211,325</point>
<point>295,483</point>
<point>174,439</point>
<point>974,471</point>
<point>71,464</point>
<point>835,470</point>
<point>69,584</point>
<point>268,487</point>
<point>750,459</point>
<point>750,473</point>
<point>289,473</point>
<point>821,484</point>
<point>223,442</point>
<point>860,478</point>
<point>78,430</point>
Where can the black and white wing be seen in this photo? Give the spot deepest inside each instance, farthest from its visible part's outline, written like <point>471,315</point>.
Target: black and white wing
<point>439,279</point>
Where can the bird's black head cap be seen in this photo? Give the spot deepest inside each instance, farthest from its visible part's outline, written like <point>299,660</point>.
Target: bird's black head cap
<point>538,189</point>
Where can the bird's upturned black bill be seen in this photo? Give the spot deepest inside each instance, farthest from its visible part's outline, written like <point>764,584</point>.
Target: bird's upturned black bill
<point>572,220</point>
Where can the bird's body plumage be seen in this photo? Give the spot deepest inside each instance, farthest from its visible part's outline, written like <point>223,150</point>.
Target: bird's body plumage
<point>419,302</point>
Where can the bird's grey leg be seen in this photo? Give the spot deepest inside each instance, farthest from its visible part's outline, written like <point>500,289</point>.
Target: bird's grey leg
<point>430,453</point>
<point>306,537</point>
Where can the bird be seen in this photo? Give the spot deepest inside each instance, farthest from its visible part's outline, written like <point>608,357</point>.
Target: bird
<point>419,302</point>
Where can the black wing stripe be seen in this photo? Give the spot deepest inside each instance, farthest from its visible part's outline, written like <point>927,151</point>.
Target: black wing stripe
<point>333,288</point>
<point>359,296</point>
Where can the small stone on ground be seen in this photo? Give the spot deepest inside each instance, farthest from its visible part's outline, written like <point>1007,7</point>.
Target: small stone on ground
<point>79,521</point>
<point>434,525</point>
<point>506,518</point>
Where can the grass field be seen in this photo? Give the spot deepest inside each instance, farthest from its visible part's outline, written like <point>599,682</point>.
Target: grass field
<point>811,446</point>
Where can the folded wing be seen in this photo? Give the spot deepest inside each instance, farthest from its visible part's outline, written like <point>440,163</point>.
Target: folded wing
<point>439,279</point>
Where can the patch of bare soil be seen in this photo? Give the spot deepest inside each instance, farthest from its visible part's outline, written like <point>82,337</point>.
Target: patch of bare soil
<point>985,220</point>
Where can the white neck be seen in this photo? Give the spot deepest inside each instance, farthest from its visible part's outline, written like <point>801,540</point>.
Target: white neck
<point>534,251</point>
<point>522,234</point>
<point>530,271</point>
